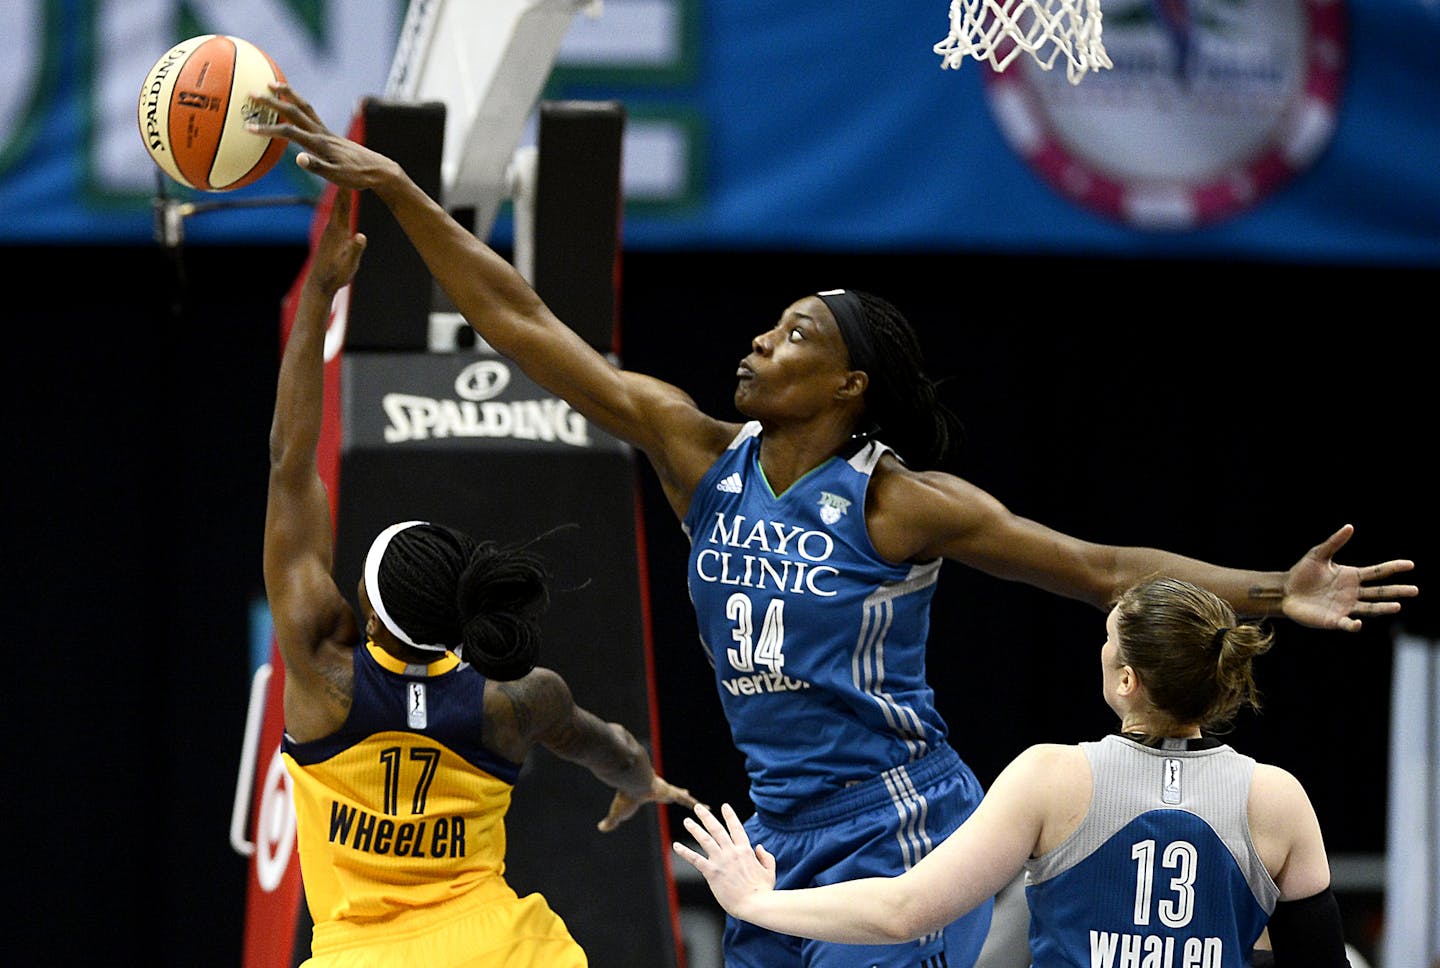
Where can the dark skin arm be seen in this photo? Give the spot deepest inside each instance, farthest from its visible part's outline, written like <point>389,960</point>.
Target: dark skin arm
<point>315,627</point>
<point>656,417</point>
<point>539,709</point>
<point>922,516</point>
<point>912,516</point>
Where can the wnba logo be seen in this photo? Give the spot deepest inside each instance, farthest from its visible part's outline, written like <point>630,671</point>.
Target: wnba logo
<point>1208,108</point>
<point>198,101</point>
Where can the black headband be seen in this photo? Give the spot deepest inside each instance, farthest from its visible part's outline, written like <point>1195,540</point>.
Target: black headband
<point>849,315</point>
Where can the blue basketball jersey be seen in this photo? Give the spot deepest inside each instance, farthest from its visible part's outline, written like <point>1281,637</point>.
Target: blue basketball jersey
<point>818,643</point>
<point>1161,872</point>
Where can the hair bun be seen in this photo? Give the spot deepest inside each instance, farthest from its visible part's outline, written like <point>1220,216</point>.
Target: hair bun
<point>502,648</point>
<point>501,595</point>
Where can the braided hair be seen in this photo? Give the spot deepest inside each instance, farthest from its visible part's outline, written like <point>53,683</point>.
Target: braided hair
<point>483,600</point>
<point>902,403</point>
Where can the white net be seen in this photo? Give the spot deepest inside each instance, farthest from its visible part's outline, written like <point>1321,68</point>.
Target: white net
<point>998,30</point>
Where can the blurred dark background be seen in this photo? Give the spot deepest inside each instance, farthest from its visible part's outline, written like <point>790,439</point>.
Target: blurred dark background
<point>1233,388</point>
<point>1237,412</point>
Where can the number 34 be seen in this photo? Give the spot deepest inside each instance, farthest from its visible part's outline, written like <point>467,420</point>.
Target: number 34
<point>769,649</point>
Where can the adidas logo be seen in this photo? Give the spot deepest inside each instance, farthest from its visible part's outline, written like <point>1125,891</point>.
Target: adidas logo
<point>731,484</point>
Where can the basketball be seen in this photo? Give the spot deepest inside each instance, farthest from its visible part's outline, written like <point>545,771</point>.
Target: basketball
<point>194,106</point>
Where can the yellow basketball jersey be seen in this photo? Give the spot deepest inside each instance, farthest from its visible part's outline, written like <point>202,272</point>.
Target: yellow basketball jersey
<point>403,807</point>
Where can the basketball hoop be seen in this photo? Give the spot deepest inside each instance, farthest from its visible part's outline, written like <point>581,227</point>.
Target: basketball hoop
<point>998,30</point>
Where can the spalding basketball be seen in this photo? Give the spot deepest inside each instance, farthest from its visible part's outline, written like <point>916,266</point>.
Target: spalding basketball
<point>194,106</point>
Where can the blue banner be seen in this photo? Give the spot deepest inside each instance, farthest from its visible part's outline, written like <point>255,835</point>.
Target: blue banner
<point>1294,130</point>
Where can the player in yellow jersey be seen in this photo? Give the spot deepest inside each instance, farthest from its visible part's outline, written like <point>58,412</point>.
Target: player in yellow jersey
<point>405,730</point>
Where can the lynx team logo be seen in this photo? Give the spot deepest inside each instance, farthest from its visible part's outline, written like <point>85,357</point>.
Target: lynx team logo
<point>1211,105</point>
<point>832,507</point>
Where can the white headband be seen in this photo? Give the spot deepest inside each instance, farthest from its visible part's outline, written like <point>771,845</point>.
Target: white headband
<point>372,583</point>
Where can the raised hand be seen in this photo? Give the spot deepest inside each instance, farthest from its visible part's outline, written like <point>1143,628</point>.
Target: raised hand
<point>1323,594</point>
<point>733,869</point>
<point>337,254</point>
<point>324,153</point>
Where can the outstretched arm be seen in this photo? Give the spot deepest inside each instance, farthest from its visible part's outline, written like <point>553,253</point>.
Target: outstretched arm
<point>969,866</point>
<point>540,709</point>
<point>500,305</point>
<point>308,610</point>
<point>929,515</point>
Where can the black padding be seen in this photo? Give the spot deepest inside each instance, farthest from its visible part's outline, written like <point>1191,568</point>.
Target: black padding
<point>459,439</point>
<point>391,295</point>
<point>577,215</point>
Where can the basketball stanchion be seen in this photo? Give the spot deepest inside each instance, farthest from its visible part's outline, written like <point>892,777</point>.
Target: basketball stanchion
<point>997,31</point>
<point>168,230</point>
<point>171,212</point>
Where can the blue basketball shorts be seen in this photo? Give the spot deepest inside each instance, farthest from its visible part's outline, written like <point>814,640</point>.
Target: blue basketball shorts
<point>880,827</point>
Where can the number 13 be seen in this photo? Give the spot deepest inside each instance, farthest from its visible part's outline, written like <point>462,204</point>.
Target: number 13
<point>1179,857</point>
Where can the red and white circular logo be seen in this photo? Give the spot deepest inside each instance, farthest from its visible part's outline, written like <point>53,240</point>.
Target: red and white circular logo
<point>275,827</point>
<point>1209,107</point>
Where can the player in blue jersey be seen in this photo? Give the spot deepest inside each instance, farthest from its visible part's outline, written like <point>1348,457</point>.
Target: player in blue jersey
<point>405,731</point>
<point>818,525</point>
<point>1157,845</point>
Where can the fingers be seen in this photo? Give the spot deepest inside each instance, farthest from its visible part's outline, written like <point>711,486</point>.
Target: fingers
<point>689,856</point>
<point>299,121</point>
<point>702,837</point>
<point>614,819</point>
<point>1386,569</point>
<point>340,209</point>
<point>1332,544</point>
<point>767,859</point>
<point>1385,595</point>
<point>711,834</point>
<point>722,851</point>
<point>712,824</point>
<point>287,93</point>
<point>622,808</point>
<point>620,811</point>
<point>669,793</point>
<point>316,165</point>
<point>281,97</point>
<point>736,828</point>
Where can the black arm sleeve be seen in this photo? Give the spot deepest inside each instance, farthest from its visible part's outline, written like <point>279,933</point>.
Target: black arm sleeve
<point>1308,932</point>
